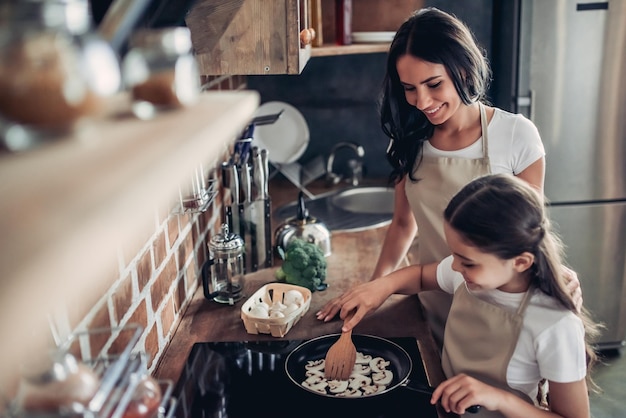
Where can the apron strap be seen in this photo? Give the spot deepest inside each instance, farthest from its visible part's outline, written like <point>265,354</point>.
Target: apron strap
<point>525,301</point>
<point>483,126</point>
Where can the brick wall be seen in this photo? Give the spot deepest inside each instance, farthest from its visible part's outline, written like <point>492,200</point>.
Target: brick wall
<point>152,285</point>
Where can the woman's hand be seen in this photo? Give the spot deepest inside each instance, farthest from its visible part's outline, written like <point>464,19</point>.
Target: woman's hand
<point>573,285</point>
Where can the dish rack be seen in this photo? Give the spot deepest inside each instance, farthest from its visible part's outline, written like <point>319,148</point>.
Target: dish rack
<point>119,373</point>
<point>271,293</point>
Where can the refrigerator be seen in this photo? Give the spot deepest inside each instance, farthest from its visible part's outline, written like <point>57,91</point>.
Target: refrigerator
<point>571,82</point>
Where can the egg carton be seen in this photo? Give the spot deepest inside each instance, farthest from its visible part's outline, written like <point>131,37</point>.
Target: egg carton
<point>271,294</point>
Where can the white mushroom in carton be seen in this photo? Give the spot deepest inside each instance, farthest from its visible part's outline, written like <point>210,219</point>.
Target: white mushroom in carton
<point>291,302</point>
<point>293,297</point>
<point>275,308</point>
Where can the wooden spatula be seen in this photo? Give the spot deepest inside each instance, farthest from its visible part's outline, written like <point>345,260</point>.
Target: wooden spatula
<point>340,357</point>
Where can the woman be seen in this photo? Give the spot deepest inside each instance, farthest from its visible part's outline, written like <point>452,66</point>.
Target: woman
<point>512,322</point>
<point>442,137</point>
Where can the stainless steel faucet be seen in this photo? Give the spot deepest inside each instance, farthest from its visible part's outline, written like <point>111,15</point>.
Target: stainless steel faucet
<point>355,166</point>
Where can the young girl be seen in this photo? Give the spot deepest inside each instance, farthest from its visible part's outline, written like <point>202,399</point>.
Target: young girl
<point>512,322</point>
<point>442,137</point>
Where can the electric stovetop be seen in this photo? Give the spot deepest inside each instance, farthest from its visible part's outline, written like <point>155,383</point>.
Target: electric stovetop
<point>248,379</point>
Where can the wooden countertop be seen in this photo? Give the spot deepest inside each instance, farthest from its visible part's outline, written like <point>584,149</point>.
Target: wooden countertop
<point>352,261</point>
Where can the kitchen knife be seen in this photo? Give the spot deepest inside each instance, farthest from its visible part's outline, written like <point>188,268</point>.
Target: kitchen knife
<point>267,213</point>
<point>241,151</point>
<point>226,185</point>
<point>266,172</point>
<point>258,207</point>
<point>247,217</point>
<point>231,180</point>
<point>267,119</point>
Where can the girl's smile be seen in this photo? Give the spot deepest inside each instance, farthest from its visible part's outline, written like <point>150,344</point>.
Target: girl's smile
<point>482,270</point>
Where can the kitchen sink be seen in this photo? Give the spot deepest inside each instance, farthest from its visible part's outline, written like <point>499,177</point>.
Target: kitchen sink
<point>348,210</point>
<point>374,200</point>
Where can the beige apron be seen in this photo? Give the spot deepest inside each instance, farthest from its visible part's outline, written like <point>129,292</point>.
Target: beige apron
<point>440,179</point>
<point>480,339</point>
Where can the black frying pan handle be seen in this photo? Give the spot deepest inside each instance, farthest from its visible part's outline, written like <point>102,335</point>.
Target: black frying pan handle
<point>428,390</point>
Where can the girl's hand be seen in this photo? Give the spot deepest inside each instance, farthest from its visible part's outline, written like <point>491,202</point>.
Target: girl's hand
<point>363,298</point>
<point>329,310</point>
<point>462,391</point>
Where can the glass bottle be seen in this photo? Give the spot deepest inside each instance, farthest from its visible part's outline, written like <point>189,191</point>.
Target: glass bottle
<point>54,70</point>
<point>161,71</point>
<point>343,22</point>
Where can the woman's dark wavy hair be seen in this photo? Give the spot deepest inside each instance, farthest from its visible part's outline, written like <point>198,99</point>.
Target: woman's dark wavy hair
<point>502,215</point>
<point>438,37</point>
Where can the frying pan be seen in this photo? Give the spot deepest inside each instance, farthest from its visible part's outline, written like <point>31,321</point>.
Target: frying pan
<point>400,363</point>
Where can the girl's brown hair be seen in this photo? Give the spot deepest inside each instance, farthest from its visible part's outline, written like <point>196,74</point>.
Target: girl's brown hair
<point>504,216</point>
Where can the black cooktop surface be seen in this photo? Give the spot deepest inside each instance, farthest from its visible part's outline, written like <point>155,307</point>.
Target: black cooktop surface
<point>248,379</point>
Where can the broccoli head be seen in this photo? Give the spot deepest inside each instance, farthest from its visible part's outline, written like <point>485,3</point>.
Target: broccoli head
<point>304,265</point>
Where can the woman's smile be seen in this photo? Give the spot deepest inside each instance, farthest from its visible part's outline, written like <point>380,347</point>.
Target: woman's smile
<point>432,111</point>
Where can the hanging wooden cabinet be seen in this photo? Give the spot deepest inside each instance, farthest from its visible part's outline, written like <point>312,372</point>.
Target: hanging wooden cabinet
<point>249,37</point>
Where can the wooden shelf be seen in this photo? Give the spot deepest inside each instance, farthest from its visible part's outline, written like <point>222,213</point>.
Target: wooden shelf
<point>83,198</point>
<point>330,49</point>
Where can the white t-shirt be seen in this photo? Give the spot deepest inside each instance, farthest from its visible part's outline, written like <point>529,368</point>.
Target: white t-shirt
<point>551,344</point>
<point>514,144</point>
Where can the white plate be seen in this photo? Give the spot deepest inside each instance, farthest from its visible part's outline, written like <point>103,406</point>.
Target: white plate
<point>372,37</point>
<point>287,138</point>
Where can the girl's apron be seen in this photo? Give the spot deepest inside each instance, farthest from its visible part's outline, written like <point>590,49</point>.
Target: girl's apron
<point>480,339</point>
<point>440,178</point>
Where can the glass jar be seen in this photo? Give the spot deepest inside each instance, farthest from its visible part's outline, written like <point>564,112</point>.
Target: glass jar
<point>145,400</point>
<point>54,70</point>
<point>161,71</point>
<point>58,384</point>
<point>226,262</point>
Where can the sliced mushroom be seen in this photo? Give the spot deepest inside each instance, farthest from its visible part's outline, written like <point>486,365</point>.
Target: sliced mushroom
<point>337,386</point>
<point>358,381</point>
<point>315,365</point>
<point>350,393</point>
<point>378,364</point>
<point>371,389</point>
<point>369,376</point>
<point>362,358</point>
<point>363,369</point>
<point>318,387</point>
<point>382,378</point>
<point>315,379</point>
<point>314,372</point>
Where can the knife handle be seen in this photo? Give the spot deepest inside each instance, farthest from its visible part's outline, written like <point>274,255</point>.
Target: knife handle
<point>231,181</point>
<point>266,172</point>
<point>258,175</point>
<point>245,183</point>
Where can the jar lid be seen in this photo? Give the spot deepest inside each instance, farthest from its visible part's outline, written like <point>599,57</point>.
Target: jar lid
<point>226,241</point>
<point>73,16</point>
<point>174,40</point>
<point>51,368</point>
